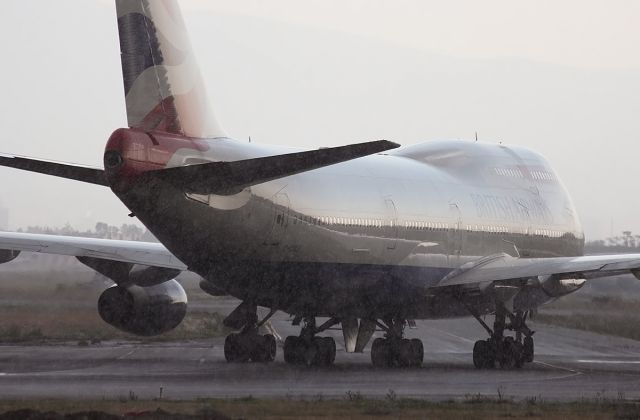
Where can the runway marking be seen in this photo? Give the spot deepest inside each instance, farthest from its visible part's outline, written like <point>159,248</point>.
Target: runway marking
<point>572,372</point>
<point>126,355</point>
<point>453,335</point>
<point>458,337</point>
<point>610,362</point>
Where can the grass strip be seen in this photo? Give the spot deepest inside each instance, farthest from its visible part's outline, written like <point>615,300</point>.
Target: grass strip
<point>627,326</point>
<point>352,406</point>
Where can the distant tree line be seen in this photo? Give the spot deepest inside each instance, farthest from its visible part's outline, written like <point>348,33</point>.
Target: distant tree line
<point>626,243</point>
<point>102,230</point>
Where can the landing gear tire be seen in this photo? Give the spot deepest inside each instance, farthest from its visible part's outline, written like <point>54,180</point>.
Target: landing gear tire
<point>410,353</point>
<point>328,350</point>
<point>402,352</point>
<point>528,349</point>
<point>265,349</point>
<point>271,347</point>
<point>233,349</point>
<point>483,355</point>
<point>245,347</point>
<point>293,350</point>
<point>518,354</point>
<point>311,355</point>
<point>380,356</point>
<point>320,351</point>
<point>417,350</point>
<point>511,355</point>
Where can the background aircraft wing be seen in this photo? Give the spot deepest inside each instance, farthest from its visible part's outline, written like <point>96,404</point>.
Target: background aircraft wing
<point>131,252</point>
<point>505,268</point>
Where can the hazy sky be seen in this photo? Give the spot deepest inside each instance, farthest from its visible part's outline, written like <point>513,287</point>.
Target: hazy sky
<point>560,77</point>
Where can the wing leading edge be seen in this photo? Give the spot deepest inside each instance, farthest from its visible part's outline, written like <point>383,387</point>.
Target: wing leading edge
<point>143,253</point>
<point>503,267</point>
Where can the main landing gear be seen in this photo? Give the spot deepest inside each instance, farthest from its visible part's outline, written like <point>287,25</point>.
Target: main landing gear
<point>507,352</point>
<point>248,344</point>
<point>393,349</point>
<point>307,349</point>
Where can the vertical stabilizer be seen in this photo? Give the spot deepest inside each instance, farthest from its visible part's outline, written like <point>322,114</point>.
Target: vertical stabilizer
<point>162,82</point>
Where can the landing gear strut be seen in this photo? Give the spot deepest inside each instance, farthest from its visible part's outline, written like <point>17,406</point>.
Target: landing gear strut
<point>393,349</point>
<point>507,352</point>
<point>307,349</point>
<point>249,344</point>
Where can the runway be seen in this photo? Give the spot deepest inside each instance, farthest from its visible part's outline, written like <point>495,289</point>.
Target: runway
<point>569,365</point>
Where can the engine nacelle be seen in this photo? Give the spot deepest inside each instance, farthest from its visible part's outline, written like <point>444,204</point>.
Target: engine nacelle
<point>7,255</point>
<point>545,289</point>
<point>558,285</point>
<point>144,311</point>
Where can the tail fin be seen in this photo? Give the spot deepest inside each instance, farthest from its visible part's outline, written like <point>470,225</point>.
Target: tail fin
<point>163,87</point>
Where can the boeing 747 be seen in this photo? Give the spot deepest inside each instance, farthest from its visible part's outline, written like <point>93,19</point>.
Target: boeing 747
<point>367,236</point>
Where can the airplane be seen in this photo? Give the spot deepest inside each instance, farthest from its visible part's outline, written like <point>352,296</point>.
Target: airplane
<point>368,236</point>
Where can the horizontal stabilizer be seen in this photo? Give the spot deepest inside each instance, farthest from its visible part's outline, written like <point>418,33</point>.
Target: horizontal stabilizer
<point>63,170</point>
<point>227,178</point>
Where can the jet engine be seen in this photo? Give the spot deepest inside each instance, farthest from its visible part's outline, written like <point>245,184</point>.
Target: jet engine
<point>556,285</point>
<point>7,255</point>
<point>144,311</point>
<point>544,289</point>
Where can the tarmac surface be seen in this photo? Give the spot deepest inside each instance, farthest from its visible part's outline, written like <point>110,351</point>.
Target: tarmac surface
<point>569,365</point>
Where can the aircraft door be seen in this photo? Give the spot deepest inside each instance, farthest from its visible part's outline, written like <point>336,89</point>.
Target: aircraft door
<point>280,219</point>
<point>390,224</point>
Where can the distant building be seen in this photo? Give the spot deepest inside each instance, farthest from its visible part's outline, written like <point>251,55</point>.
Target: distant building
<point>4,218</point>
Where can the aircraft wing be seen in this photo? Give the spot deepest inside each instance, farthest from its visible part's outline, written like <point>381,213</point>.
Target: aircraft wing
<point>503,267</point>
<point>132,252</point>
